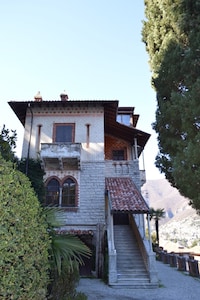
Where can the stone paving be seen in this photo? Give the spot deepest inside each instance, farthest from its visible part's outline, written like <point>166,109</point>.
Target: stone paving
<point>173,285</point>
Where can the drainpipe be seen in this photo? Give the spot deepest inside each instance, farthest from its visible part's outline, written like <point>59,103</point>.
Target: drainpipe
<point>29,142</point>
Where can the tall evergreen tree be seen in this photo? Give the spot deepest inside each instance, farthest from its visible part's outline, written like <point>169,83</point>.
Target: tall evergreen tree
<point>171,33</point>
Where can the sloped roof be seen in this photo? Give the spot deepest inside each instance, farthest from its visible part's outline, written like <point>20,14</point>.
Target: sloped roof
<point>112,127</point>
<point>124,196</point>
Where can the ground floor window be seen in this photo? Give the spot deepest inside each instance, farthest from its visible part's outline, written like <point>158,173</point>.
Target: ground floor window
<point>52,192</point>
<point>69,193</point>
<point>62,193</point>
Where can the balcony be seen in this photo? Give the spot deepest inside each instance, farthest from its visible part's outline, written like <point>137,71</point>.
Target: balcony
<point>61,156</point>
<point>125,168</point>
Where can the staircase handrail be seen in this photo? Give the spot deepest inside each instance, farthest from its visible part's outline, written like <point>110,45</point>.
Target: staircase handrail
<point>110,224</point>
<point>112,254</point>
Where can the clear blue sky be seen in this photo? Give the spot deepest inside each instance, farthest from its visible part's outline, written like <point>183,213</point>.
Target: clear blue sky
<point>92,49</point>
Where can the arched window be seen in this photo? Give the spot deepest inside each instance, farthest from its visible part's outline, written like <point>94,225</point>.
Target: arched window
<point>52,192</point>
<point>62,195</point>
<point>69,193</point>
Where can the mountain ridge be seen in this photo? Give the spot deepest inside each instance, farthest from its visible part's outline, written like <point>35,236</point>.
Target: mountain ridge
<point>182,223</point>
<point>160,194</point>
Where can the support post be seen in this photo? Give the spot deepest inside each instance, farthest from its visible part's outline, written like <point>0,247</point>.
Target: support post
<point>149,230</point>
<point>100,250</point>
<point>136,150</point>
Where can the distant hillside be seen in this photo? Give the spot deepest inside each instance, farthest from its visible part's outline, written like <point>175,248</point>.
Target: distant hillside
<point>160,194</point>
<point>181,224</point>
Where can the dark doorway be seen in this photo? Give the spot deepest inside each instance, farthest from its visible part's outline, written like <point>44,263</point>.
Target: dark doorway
<point>121,219</point>
<point>85,270</point>
<point>88,266</point>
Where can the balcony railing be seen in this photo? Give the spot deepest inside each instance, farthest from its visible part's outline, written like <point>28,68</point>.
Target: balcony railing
<point>61,156</point>
<point>125,168</point>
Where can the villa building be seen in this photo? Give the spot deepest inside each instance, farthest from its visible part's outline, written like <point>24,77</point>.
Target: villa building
<point>90,153</point>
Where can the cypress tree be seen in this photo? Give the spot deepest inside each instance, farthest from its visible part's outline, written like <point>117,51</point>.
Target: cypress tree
<point>171,33</point>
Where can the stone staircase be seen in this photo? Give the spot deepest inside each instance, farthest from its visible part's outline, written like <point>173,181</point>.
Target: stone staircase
<point>131,271</point>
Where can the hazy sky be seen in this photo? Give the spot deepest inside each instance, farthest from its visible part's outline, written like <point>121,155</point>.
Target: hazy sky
<point>92,49</point>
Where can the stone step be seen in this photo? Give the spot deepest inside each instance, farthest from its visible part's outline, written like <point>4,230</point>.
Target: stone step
<point>129,253</point>
<point>134,284</point>
<point>130,260</point>
<point>130,265</point>
<point>132,278</point>
<point>133,273</point>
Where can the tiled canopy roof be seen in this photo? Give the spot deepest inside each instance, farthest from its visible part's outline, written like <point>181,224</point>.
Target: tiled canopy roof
<point>124,196</point>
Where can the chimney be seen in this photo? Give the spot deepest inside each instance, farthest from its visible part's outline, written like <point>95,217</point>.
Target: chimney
<point>63,96</point>
<point>38,97</point>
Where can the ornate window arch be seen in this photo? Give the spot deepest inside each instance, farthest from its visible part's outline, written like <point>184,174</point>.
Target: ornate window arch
<point>69,192</point>
<point>52,191</point>
<point>62,193</point>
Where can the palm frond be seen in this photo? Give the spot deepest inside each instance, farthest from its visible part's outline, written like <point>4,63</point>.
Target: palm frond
<point>70,249</point>
<point>55,216</point>
<point>67,249</point>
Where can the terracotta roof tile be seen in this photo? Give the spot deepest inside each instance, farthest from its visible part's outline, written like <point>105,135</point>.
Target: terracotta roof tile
<point>124,195</point>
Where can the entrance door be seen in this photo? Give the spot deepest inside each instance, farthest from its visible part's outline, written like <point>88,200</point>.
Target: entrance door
<point>121,219</point>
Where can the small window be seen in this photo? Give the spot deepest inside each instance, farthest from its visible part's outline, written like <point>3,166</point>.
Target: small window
<point>68,193</point>
<point>124,119</point>
<point>52,192</point>
<point>118,155</point>
<point>63,133</point>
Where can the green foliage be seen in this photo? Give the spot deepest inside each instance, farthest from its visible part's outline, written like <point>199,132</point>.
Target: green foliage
<point>156,215</point>
<point>194,243</point>
<point>65,248</point>
<point>153,238</point>
<point>66,256</point>
<point>8,143</point>
<point>24,241</point>
<point>32,168</point>
<point>172,37</point>
<point>68,248</point>
<point>63,286</point>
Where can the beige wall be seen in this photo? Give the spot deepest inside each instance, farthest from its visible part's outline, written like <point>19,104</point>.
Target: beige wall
<point>80,117</point>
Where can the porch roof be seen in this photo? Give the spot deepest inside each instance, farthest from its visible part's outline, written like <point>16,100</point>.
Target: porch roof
<point>124,196</point>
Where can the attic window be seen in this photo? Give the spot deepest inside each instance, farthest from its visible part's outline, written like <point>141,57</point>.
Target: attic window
<point>124,119</point>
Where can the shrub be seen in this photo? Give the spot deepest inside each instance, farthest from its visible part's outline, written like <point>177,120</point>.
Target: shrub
<point>33,170</point>
<point>63,284</point>
<point>24,240</point>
